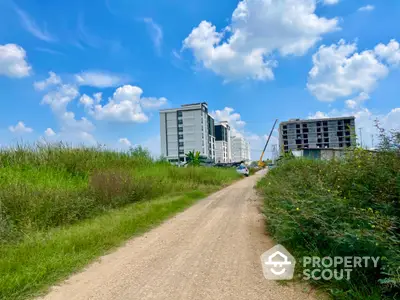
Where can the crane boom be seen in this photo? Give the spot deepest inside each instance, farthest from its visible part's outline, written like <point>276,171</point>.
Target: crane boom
<point>260,163</point>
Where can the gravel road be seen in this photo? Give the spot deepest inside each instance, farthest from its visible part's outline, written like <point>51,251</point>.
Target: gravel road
<point>210,251</point>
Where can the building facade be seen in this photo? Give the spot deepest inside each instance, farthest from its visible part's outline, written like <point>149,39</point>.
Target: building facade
<point>240,149</point>
<point>185,129</point>
<point>335,133</point>
<point>223,149</point>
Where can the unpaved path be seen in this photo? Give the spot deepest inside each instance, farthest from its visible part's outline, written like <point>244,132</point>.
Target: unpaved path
<point>210,251</point>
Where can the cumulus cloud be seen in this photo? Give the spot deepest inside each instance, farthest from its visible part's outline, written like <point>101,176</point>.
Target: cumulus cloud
<point>258,29</point>
<point>357,101</point>
<point>124,142</point>
<point>20,128</point>
<point>49,132</point>
<point>233,118</point>
<point>71,128</point>
<point>13,61</point>
<point>389,53</point>
<point>53,79</point>
<point>367,8</point>
<point>340,71</point>
<point>126,106</point>
<point>98,79</point>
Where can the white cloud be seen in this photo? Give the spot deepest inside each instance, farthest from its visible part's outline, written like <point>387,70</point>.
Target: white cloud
<point>49,132</point>
<point>125,106</point>
<point>71,129</point>
<point>152,103</point>
<point>155,32</point>
<point>53,79</point>
<point>124,142</point>
<point>357,101</point>
<point>30,25</point>
<point>318,115</point>
<point>340,71</point>
<point>59,98</point>
<point>258,29</point>
<point>20,128</point>
<point>233,118</point>
<point>390,52</point>
<point>367,8</point>
<point>98,79</point>
<point>13,61</point>
<point>330,2</point>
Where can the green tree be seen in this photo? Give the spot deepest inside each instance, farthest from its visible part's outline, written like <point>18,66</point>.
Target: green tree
<point>193,158</point>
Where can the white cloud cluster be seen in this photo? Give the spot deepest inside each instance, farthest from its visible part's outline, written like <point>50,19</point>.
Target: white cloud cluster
<point>13,61</point>
<point>53,79</point>
<point>340,71</point>
<point>330,2</point>
<point>357,101</point>
<point>258,29</point>
<point>233,118</point>
<point>20,128</point>
<point>389,53</point>
<point>126,105</point>
<point>58,98</point>
<point>98,79</point>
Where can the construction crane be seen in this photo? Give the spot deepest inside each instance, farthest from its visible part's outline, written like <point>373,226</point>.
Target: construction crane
<point>261,163</point>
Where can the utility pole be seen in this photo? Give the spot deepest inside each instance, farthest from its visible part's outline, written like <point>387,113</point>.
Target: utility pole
<point>361,141</point>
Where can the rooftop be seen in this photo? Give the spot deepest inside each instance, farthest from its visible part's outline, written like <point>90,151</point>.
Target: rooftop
<point>316,120</point>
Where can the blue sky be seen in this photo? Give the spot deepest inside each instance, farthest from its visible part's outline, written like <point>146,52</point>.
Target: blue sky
<point>85,73</point>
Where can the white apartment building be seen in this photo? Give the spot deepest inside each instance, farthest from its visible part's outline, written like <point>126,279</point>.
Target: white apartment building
<point>223,149</point>
<point>185,129</point>
<point>240,149</point>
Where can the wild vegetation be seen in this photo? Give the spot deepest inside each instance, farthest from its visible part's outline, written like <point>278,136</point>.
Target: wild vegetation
<point>60,207</point>
<point>346,207</point>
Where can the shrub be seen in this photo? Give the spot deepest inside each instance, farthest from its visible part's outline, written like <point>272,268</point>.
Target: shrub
<point>340,208</point>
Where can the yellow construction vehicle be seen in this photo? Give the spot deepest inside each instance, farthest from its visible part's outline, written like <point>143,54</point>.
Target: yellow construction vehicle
<point>261,164</point>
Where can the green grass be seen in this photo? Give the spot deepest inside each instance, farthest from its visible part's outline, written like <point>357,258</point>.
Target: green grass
<point>62,207</point>
<point>44,258</point>
<point>340,208</point>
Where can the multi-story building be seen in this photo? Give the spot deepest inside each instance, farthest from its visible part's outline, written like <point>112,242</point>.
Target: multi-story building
<point>223,151</point>
<point>240,149</point>
<point>317,133</point>
<point>184,129</point>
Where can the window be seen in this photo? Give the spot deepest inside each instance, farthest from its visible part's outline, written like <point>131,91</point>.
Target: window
<point>179,114</point>
<point>181,144</point>
<point>181,152</point>
<point>180,136</point>
<point>180,121</point>
<point>180,129</point>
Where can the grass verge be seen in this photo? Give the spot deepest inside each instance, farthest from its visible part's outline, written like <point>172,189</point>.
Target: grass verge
<point>44,258</point>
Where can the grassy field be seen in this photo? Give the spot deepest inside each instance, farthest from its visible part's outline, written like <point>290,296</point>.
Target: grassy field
<point>61,207</point>
<point>340,208</point>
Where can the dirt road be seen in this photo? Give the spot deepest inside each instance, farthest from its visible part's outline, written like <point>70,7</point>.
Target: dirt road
<point>210,251</point>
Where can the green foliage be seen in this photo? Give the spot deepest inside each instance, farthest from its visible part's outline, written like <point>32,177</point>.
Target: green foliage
<point>193,158</point>
<point>61,207</point>
<point>340,208</point>
<point>48,186</point>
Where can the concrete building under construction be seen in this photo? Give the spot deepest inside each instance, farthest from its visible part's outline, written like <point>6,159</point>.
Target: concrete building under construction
<point>328,133</point>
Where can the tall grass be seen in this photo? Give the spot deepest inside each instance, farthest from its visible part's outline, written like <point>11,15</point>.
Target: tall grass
<point>341,208</point>
<point>61,207</point>
<point>49,186</point>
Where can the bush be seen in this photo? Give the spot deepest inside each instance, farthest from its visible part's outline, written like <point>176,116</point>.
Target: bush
<point>340,208</point>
